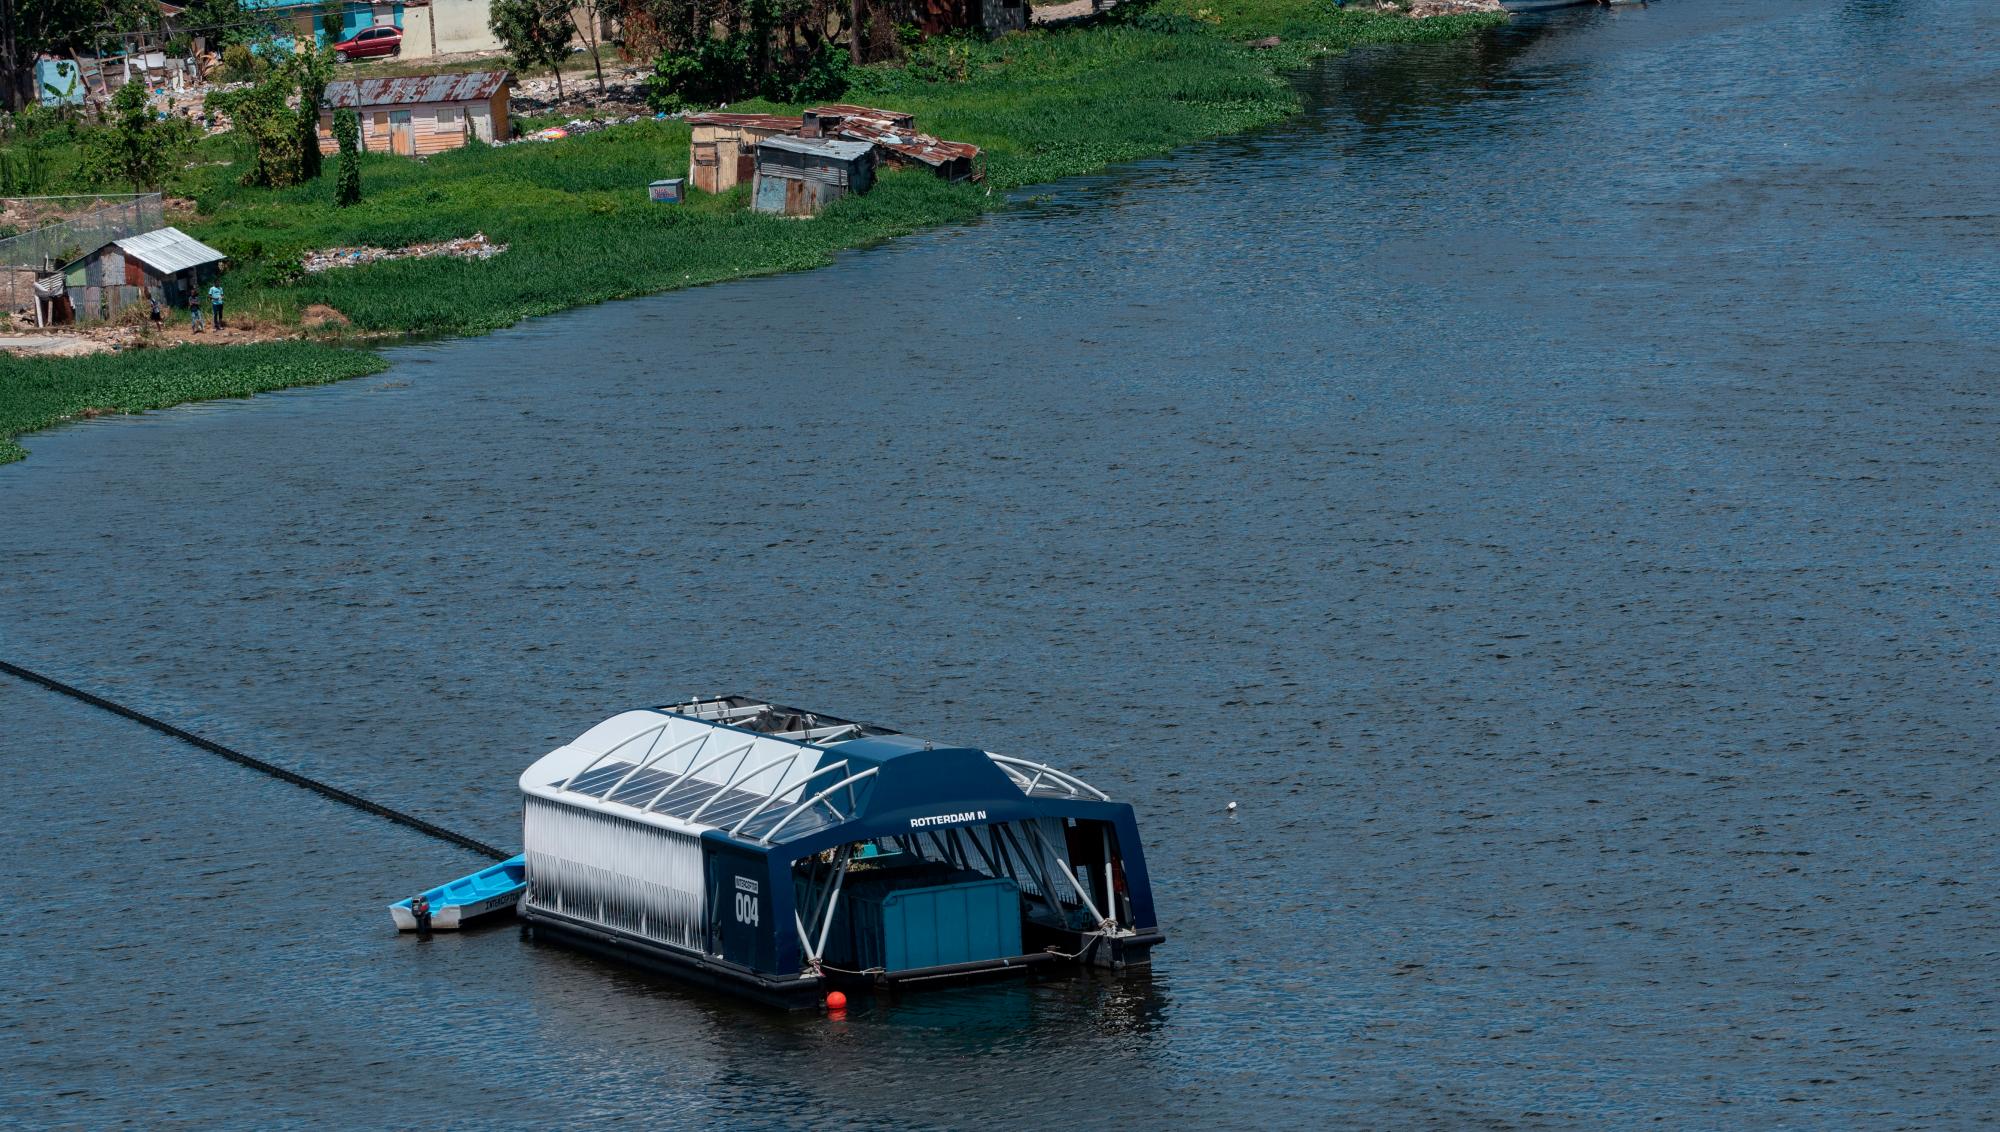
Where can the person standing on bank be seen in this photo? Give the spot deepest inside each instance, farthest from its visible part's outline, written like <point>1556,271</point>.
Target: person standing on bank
<point>215,303</point>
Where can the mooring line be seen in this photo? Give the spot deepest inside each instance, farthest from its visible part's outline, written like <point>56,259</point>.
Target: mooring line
<point>254,763</point>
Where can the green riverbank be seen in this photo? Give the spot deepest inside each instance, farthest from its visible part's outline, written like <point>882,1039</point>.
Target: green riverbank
<point>1044,105</point>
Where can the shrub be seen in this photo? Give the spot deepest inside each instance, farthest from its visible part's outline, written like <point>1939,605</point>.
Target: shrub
<point>347,183</point>
<point>819,77</point>
<point>241,65</point>
<point>717,70</point>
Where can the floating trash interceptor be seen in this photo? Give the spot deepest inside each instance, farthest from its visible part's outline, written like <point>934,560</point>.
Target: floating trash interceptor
<point>780,852</point>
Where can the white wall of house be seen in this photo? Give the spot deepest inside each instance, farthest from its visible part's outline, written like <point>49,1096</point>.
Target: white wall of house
<point>416,32</point>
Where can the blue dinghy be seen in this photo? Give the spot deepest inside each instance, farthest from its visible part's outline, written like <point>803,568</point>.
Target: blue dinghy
<point>487,891</point>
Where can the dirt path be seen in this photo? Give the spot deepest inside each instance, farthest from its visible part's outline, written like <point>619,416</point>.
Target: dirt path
<point>65,342</point>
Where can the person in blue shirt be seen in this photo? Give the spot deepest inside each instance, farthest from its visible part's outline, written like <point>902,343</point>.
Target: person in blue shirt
<point>215,303</point>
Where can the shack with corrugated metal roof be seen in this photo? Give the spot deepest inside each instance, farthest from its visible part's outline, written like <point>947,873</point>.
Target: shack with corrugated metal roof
<point>895,137</point>
<point>418,115</point>
<point>166,264</point>
<point>800,176</point>
<point>722,150</point>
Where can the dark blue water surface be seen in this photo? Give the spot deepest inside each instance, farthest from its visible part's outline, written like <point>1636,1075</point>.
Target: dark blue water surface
<point>1552,487</point>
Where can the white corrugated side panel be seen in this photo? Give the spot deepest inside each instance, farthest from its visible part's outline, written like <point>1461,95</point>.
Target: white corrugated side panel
<point>618,874</point>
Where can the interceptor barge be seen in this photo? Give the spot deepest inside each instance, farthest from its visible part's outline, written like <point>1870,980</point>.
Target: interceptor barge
<point>782,853</point>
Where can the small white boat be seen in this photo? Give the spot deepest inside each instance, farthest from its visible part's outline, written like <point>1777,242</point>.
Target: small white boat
<point>454,905</point>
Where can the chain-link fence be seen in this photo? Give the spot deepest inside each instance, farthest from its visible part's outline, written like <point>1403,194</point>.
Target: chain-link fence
<point>32,253</point>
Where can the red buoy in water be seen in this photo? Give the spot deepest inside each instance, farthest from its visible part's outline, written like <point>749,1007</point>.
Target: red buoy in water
<point>835,1000</point>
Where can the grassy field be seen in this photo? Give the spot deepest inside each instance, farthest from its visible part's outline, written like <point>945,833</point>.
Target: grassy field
<point>574,213</point>
<point>579,228</point>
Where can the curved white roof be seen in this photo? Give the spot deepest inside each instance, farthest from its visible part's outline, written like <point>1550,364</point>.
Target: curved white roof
<point>734,764</point>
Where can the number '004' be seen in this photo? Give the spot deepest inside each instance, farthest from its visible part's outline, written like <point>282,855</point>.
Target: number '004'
<point>746,908</point>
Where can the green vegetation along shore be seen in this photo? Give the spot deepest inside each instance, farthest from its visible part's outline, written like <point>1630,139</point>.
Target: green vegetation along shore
<point>39,392</point>
<point>574,214</point>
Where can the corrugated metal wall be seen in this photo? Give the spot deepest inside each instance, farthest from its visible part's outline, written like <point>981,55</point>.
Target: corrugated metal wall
<point>618,874</point>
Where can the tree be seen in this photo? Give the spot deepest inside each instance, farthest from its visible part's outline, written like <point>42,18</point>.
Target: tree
<point>347,183</point>
<point>30,27</point>
<point>587,17</point>
<point>312,70</point>
<point>138,147</point>
<point>263,116</point>
<point>219,23</point>
<point>535,32</point>
<point>332,20</point>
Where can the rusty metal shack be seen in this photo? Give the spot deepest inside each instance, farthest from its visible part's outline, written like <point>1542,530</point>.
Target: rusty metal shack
<point>418,115</point>
<point>722,152</point>
<point>895,135</point>
<point>800,176</point>
<point>166,264</point>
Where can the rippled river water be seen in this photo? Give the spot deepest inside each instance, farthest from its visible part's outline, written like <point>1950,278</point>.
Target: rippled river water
<point>1551,486</point>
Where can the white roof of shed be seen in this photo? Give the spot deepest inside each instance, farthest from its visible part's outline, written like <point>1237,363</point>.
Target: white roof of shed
<point>169,250</point>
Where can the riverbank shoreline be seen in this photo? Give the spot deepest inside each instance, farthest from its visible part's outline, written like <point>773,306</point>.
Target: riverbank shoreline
<point>1044,105</point>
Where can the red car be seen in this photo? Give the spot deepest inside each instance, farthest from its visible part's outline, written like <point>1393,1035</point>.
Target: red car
<point>369,42</point>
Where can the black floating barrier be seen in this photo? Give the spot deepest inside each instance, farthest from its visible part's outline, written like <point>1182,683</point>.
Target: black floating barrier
<point>275,771</point>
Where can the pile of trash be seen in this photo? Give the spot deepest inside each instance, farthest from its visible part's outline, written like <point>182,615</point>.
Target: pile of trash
<point>623,87</point>
<point>475,246</point>
<point>577,126</point>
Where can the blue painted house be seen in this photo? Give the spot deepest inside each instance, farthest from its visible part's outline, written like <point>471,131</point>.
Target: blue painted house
<point>305,19</point>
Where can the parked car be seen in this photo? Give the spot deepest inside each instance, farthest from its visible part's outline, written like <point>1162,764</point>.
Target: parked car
<point>370,42</point>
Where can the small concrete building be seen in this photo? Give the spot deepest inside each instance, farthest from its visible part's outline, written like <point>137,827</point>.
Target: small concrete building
<point>723,150</point>
<point>441,27</point>
<point>166,264</point>
<point>418,115</point>
<point>800,176</point>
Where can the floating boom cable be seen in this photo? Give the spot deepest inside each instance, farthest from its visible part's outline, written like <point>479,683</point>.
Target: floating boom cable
<point>275,771</point>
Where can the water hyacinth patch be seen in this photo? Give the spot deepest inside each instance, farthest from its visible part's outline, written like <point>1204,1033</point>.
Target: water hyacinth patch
<point>39,392</point>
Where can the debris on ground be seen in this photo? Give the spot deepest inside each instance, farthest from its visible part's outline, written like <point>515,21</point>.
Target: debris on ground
<point>475,246</point>
<point>576,126</point>
<point>624,88</point>
<point>1424,9</point>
